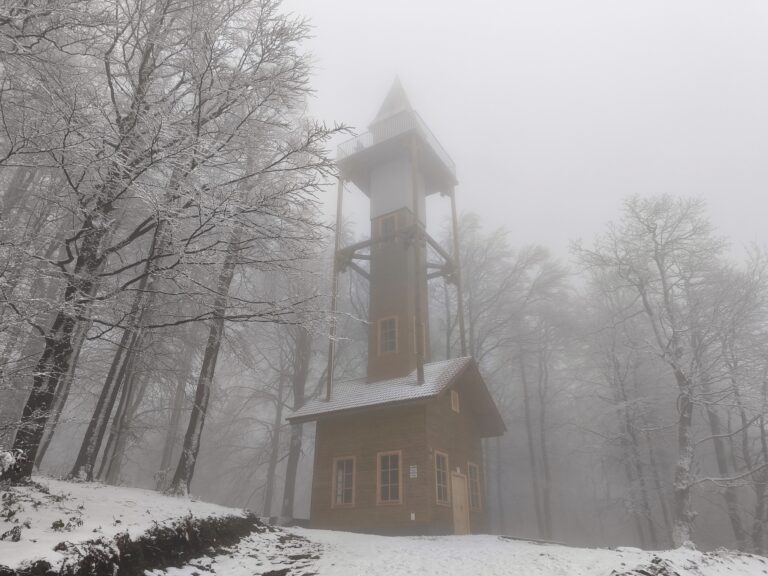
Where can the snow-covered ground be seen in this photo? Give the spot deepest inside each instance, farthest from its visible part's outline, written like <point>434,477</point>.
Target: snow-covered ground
<point>345,554</point>
<point>326,553</point>
<point>76,512</point>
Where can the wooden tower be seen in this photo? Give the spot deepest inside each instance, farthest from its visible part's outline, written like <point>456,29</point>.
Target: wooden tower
<point>399,452</point>
<point>397,164</point>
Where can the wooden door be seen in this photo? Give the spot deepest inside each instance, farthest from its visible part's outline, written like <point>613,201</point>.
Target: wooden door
<point>460,499</point>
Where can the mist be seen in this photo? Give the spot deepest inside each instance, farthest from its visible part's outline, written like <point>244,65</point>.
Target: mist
<point>181,303</point>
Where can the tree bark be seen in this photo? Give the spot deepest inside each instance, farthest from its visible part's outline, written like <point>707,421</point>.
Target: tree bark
<point>535,482</point>
<point>186,467</point>
<point>721,457</point>
<point>62,395</point>
<point>499,487</point>
<point>682,529</point>
<point>118,438</point>
<point>301,358</point>
<point>56,357</point>
<point>171,438</point>
<point>89,448</point>
<point>274,447</point>
<point>546,491</point>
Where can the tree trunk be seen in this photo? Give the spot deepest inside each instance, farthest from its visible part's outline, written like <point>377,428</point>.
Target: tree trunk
<point>186,467</point>
<point>94,434</point>
<point>682,529</point>
<point>301,358</point>
<point>499,487</point>
<point>171,438</point>
<point>721,457</point>
<point>658,486</point>
<point>56,357</point>
<point>191,448</point>
<point>535,483</point>
<point>630,443</point>
<point>761,506</point>
<point>116,445</point>
<point>546,491</point>
<point>62,395</point>
<point>291,469</point>
<point>274,447</point>
<point>631,470</point>
<point>115,430</point>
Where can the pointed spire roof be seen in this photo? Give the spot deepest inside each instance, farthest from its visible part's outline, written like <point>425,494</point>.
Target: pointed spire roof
<point>396,101</point>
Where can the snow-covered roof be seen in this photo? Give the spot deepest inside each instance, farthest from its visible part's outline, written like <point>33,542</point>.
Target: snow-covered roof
<point>354,394</point>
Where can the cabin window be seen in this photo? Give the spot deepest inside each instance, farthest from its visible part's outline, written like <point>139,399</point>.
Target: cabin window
<point>454,400</point>
<point>388,225</point>
<point>441,478</point>
<point>388,335</point>
<point>389,478</point>
<point>343,481</point>
<point>474,486</point>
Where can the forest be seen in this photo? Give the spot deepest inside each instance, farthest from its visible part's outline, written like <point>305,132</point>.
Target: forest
<point>165,274</point>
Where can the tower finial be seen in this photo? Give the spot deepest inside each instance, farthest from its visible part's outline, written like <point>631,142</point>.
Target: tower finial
<point>396,101</point>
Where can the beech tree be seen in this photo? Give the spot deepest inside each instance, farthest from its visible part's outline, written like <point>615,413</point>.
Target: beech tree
<point>150,118</point>
<point>667,263</point>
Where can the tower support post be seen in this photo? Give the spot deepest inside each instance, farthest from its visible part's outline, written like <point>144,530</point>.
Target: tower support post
<point>418,238</point>
<point>457,273</point>
<point>334,290</point>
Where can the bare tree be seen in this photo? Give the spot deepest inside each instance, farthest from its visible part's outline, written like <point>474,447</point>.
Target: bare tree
<point>665,257</point>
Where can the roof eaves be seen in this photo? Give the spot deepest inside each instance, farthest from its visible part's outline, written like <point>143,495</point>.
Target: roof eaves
<point>311,416</point>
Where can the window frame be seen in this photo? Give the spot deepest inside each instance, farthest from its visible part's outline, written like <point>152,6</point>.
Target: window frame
<point>379,501</point>
<point>446,502</point>
<point>379,339</point>
<point>455,402</point>
<point>334,503</point>
<point>478,506</point>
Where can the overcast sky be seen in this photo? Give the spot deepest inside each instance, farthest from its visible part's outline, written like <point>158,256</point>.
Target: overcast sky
<point>554,110</point>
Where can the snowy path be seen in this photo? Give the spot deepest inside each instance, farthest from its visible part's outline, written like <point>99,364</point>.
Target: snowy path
<point>346,554</point>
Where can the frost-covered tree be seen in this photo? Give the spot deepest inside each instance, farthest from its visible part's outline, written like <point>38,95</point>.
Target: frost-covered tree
<point>152,113</point>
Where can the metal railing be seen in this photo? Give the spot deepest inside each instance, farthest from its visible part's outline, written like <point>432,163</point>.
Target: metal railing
<point>396,125</point>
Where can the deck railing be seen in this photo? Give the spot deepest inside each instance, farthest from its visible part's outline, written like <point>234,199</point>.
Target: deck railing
<point>396,125</point>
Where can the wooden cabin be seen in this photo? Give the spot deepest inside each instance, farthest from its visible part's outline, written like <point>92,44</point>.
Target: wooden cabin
<point>399,457</point>
<point>399,451</point>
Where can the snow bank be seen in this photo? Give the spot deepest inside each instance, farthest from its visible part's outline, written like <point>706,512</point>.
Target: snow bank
<point>35,519</point>
<point>8,459</point>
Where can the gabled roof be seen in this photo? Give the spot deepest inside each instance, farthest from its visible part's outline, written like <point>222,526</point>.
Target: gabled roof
<point>396,101</point>
<point>439,376</point>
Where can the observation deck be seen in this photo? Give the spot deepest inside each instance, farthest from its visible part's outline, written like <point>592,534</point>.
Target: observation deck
<point>390,138</point>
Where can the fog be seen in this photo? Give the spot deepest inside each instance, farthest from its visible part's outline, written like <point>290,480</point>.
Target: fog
<point>556,110</point>
<point>169,295</point>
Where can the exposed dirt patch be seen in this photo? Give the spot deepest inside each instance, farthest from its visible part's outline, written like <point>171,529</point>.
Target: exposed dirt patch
<point>656,567</point>
<point>160,547</point>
